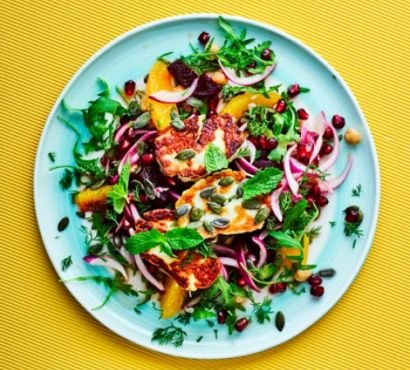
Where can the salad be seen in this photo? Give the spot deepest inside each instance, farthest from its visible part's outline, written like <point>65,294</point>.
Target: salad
<point>201,186</point>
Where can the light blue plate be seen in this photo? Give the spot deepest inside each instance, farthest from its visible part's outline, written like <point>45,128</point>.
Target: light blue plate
<point>130,57</point>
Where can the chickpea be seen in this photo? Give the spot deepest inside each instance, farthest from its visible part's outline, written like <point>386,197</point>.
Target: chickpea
<point>302,275</point>
<point>352,137</point>
<point>214,48</point>
<point>219,78</point>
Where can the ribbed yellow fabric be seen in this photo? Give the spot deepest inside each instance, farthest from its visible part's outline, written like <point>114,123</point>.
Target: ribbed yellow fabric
<point>44,42</point>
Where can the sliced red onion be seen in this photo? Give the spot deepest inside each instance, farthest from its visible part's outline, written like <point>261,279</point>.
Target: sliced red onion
<point>194,301</point>
<point>106,261</point>
<point>334,183</point>
<point>174,195</point>
<point>319,126</point>
<point>228,261</point>
<point>263,252</point>
<point>132,151</point>
<point>263,235</point>
<point>248,80</point>
<point>222,249</point>
<point>248,167</point>
<point>274,203</point>
<point>240,256</point>
<point>159,189</point>
<point>331,159</point>
<point>126,255</point>
<point>147,275</point>
<point>252,151</point>
<point>134,212</point>
<point>120,133</point>
<point>243,127</point>
<point>292,183</point>
<point>164,96</point>
<point>120,225</point>
<point>224,273</point>
<point>220,105</point>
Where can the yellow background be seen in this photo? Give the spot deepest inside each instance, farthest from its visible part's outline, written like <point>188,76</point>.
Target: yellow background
<point>43,43</point>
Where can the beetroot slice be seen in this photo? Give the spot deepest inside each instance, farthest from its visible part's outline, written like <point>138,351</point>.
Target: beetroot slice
<point>182,73</point>
<point>206,87</point>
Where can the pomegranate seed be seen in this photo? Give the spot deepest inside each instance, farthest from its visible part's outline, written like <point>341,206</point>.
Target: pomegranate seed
<point>338,121</point>
<point>328,134</point>
<point>262,142</point>
<point>266,54</point>
<point>240,281</point>
<point>317,290</point>
<point>204,37</point>
<point>326,149</point>
<point>271,143</point>
<point>143,198</point>
<point>129,87</point>
<point>125,118</point>
<point>353,215</point>
<point>151,268</point>
<point>315,280</point>
<point>277,288</point>
<point>124,145</point>
<point>315,191</point>
<point>251,65</point>
<point>104,160</point>
<point>147,159</point>
<point>221,316</point>
<point>321,201</point>
<point>281,106</point>
<point>254,140</point>
<point>302,114</point>
<point>293,90</point>
<point>111,180</point>
<point>304,150</point>
<point>241,324</point>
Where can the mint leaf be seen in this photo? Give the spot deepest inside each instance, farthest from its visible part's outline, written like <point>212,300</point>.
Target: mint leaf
<point>119,192</point>
<point>144,241</point>
<point>285,240</point>
<point>263,182</point>
<point>215,159</point>
<point>183,238</point>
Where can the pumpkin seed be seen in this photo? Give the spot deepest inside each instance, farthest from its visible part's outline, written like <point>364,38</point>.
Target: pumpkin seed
<point>62,225</point>
<point>251,204</point>
<point>178,125</point>
<point>208,227</point>
<point>218,198</point>
<point>261,215</point>
<point>239,192</point>
<point>185,154</point>
<point>215,207</point>
<point>194,225</point>
<point>134,107</point>
<point>226,181</point>
<point>207,192</point>
<point>142,120</point>
<point>327,273</point>
<point>196,214</point>
<point>220,223</point>
<point>182,210</point>
<point>280,320</point>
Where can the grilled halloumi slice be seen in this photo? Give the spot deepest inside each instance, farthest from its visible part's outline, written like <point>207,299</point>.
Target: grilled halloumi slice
<point>196,137</point>
<point>232,217</point>
<point>191,271</point>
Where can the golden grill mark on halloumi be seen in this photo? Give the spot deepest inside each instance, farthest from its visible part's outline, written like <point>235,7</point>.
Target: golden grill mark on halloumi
<point>197,136</point>
<point>241,220</point>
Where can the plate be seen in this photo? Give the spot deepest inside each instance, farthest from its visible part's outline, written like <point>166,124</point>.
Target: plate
<point>130,57</point>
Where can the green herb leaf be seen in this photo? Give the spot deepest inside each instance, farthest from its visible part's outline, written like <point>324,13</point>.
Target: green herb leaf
<point>144,241</point>
<point>263,310</point>
<point>293,214</point>
<point>285,240</point>
<point>169,335</point>
<point>357,191</point>
<point>52,156</point>
<point>264,182</point>
<point>215,159</point>
<point>66,263</point>
<point>119,193</point>
<point>183,238</point>
<point>67,179</point>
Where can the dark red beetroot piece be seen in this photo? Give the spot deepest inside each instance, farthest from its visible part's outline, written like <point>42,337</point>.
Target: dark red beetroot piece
<point>206,87</point>
<point>129,87</point>
<point>182,73</point>
<point>338,121</point>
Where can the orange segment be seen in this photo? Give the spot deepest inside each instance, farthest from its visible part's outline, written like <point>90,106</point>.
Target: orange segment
<point>238,105</point>
<point>92,200</point>
<point>172,300</point>
<point>160,79</point>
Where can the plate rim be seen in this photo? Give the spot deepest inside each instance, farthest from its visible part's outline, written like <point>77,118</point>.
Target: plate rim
<point>372,229</point>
